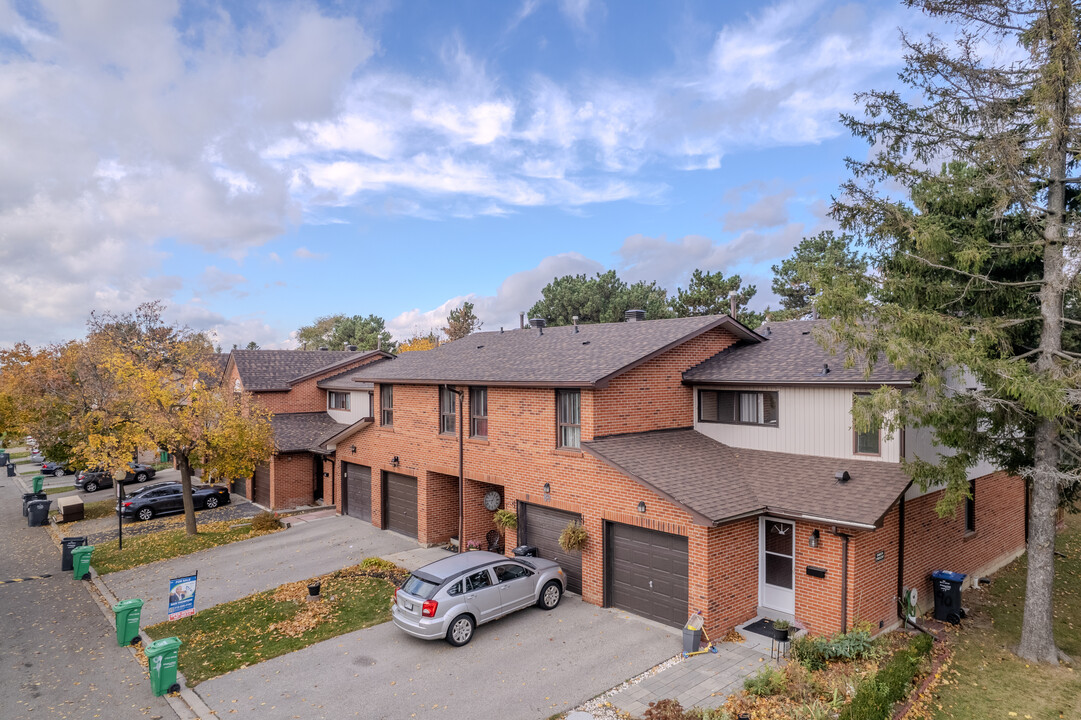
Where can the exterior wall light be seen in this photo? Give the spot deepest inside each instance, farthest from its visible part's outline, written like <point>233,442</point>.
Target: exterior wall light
<point>641,506</point>
<point>547,488</point>
<point>816,539</point>
<point>394,461</point>
<point>352,448</point>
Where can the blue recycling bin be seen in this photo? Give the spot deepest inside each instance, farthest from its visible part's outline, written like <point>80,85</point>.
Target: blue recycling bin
<point>947,590</point>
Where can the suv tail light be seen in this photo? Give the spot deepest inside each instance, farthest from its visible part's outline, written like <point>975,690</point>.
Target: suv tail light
<point>428,608</point>
<point>127,504</point>
<point>395,596</point>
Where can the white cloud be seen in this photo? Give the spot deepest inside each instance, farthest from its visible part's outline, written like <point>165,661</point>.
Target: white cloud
<point>216,280</point>
<point>305,254</point>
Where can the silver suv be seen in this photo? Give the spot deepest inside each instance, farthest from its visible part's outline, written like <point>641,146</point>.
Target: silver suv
<point>450,597</point>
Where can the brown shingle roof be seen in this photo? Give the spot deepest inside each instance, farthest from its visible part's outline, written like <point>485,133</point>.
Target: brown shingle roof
<point>717,482</point>
<point>344,381</point>
<point>276,370</point>
<point>297,432</point>
<point>790,355</point>
<point>559,357</point>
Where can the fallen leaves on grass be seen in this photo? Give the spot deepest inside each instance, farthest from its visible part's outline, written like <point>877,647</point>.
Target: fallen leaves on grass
<point>143,549</point>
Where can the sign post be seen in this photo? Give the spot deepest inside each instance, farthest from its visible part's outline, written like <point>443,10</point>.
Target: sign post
<point>182,596</point>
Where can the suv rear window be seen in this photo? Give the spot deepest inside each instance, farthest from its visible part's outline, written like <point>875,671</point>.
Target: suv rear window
<point>419,587</point>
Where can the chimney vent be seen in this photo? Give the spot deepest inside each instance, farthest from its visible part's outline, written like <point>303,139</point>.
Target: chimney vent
<point>538,323</point>
<point>825,370</point>
<point>379,343</point>
<point>324,348</point>
<point>842,476</point>
<point>351,348</point>
<point>634,315</point>
<point>732,303</point>
<point>521,320</point>
<point>574,319</point>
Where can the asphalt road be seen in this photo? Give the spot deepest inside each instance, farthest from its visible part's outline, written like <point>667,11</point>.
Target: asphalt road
<point>527,666</point>
<point>58,654</point>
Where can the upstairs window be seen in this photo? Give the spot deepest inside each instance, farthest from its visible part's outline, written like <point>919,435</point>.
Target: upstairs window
<point>869,442</point>
<point>737,407</point>
<point>338,400</point>
<point>448,410</point>
<point>386,405</point>
<point>970,508</point>
<point>478,412</point>
<point>569,408</point>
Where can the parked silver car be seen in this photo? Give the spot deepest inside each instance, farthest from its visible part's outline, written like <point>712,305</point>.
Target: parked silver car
<point>450,597</point>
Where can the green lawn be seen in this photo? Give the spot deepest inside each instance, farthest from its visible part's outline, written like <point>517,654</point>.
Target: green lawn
<point>272,623</point>
<point>143,549</point>
<point>986,680</point>
<point>58,490</point>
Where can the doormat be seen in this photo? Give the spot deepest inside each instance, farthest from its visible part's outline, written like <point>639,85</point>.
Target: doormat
<point>761,627</point>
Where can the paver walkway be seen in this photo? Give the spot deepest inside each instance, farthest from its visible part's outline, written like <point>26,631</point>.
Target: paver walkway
<point>237,570</point>
<point>58,654</point>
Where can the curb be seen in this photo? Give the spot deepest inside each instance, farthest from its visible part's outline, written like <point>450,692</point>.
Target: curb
<point>189,706</point>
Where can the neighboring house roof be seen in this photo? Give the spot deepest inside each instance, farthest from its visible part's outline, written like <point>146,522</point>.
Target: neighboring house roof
<point>279,370</point>
<point>299,432</point>
<point>717,482</point>
<point>559,357</point>
<point>344,381</point>
<point>791,355</point>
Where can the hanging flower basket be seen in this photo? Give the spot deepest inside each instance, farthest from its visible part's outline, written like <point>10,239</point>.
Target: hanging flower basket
<point>574,537</point>
<point>505,520</point>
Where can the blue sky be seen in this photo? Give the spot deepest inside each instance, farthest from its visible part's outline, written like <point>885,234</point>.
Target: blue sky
<point>258,165</point>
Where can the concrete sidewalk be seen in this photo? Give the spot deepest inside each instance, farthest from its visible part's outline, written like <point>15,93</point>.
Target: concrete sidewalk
<point>234,571</point>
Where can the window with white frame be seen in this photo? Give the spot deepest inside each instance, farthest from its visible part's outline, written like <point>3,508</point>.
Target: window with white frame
<point>738,407</point>
<point>338,400</point>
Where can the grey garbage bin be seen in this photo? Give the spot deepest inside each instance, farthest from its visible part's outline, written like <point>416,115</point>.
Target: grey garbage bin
<point>29,497</point>
<point>66,546</point>
<point>692,634</point>
<point>37,512</point>
<point>525,551</point>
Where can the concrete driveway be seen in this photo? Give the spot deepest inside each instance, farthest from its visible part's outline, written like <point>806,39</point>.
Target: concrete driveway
<point>526,666</point>
<point>234,571</point>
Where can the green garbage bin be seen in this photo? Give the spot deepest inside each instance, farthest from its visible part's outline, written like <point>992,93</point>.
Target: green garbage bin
<point>127,621</point>
<point>80,561</point>
<point>162,656</point>
<point>39,483</point>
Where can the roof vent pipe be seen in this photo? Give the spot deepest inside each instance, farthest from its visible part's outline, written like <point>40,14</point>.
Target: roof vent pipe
<point>634,315</point>
<point>351,348</point>
<point>521,320</point>
<point>324,348</point>
<point>538,323</point>
<point>842,476</point>
<point>574,319</point>
<point>825,369</point>
<point>379,343</point>
<point>732,303</point>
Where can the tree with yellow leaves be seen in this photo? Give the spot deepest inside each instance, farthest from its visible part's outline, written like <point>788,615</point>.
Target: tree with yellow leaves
<point>419,343</point>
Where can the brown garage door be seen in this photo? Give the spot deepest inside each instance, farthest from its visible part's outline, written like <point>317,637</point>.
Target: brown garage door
<point>646,573</point>
<point>400,503</point>
<point>261,480</point>
<point>539,525</point>
<point>357,491</point>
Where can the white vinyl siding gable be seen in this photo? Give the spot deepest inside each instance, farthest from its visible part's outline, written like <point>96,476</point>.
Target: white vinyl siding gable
<point>359,407</point>
<point>810,421</point>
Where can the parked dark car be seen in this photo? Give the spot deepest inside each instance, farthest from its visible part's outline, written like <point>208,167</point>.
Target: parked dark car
<point>93,480</point>
<point>166,498</point>
<point>56,469</point>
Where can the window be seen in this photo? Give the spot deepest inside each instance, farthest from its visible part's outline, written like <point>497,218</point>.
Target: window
<point>338,400</point>
<point>970,508</point>
<point>737,407</point>
<point>477,580</point>
<point>478,412</point>
<point>386,404</point>
<point>569,403</point>
<point>867,443</point>
<point>448,410</point>
<point>508,572</point>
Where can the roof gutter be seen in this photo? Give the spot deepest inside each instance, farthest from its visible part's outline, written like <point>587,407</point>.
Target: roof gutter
<point>845,523</point>
<point>794,383</point>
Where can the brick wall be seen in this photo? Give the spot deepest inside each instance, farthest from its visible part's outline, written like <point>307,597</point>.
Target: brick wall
<point>652,396</point>
<point>934,543</point>
<point>291,480</point>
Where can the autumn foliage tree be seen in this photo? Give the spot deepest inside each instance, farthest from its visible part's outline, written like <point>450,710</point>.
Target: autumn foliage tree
<point>462,321</point>
<point>419,342</point>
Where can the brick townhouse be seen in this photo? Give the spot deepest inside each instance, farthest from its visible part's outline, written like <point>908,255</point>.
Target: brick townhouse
<point>713,468</point>
<point>298,388</point>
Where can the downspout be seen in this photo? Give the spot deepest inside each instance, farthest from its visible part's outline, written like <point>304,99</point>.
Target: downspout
<point>901,560</point>
<point>844,578</point>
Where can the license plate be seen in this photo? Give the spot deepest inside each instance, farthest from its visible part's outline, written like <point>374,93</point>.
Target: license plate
<point>409,606</point>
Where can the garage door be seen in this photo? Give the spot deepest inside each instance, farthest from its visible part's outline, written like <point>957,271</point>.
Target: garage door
<point>357,491</point>
<point>539,525</point>
<point>261,480</point>
<point>400,503</point>
<point>646,573</point>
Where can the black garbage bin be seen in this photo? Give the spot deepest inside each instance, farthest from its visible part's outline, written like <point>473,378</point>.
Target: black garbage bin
<point>947,587</point>
<point>4,457</point>
<point>37,512</point>
<point>66,546</point>
<point>28,497</point>
<point>525,551</point>
<point>11,469</point>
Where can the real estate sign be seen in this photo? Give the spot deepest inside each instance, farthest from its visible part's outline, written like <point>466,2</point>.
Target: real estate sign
<point>182,596</point>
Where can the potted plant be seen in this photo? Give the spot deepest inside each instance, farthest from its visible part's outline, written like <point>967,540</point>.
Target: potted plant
<point>472,545</point>
<point>781,629</point>
<point>505,520</point>
<point>574,537</point>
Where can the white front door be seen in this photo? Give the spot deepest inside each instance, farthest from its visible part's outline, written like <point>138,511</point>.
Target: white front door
<point>777,565</point>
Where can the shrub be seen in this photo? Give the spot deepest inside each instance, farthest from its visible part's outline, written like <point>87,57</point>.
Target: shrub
<point>708,714</point>
<point>505,519</point>
<point>666,709</point>
<point>377,563</point>
<point>875,697</point>
<point>265,521</point>
<point>814,652</point>
<point>574,537</point>
<point>767,681</point>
